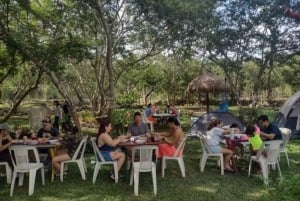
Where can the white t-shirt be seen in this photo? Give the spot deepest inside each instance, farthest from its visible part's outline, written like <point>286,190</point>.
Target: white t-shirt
<point>214,136</point>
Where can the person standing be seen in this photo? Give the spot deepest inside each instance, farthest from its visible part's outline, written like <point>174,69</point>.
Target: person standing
<point>66,124</point>
<point>57,114</point>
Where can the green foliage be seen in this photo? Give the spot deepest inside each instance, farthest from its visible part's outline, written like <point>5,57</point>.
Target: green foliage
<point>248,115</point>
<point>87,116</point>
<point>125,100</point>
<point>291,73</point>
<point>51,33</point>
<point>121,117</point>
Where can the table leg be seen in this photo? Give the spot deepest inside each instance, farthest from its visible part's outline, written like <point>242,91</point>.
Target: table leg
<point>52,152</point>
<point>231,144</point>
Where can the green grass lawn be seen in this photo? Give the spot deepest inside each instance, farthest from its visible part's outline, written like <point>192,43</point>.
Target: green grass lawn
<point>209,185</point>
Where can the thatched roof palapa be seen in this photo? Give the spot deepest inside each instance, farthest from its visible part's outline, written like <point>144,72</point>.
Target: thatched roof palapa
<point>207,82</point>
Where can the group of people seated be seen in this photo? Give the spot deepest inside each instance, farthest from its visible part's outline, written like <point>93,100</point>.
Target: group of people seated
<point>152,109</point>
<point>66,144</point>
<point>171,140</point>
<point>108,146</point>
<point>256,134</point>
<point>106,143</point>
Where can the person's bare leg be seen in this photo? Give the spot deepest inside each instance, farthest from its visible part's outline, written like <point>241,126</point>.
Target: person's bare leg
<point>228,154</point>
<point>58,159</point>
<point>120,157</point>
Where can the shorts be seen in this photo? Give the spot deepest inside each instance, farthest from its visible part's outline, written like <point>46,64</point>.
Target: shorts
<point>215,148</point>
<point>106,155</point>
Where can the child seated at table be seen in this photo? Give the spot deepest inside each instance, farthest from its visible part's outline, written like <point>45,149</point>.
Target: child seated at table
<point>215,135</point>
<point>254,140</point>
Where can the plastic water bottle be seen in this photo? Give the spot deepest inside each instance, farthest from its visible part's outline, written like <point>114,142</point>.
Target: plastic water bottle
<point>231,133</point>
<point>25,139</point>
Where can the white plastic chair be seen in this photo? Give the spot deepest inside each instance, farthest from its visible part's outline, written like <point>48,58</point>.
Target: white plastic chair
<point>178,115</point>
<point>286,135</point>
<point>273,151</point>
<point>101,161</point>
<point>8,171</point>
<point>146,121</point>
<point>144,164</point>
<point>22,161</point>
<point>176,156</point>
<point>206,152</point>
<point>78,158</point>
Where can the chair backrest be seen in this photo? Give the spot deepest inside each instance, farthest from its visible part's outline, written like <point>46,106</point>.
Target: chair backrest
<point>180,148</point>
<point>22,155</point>
<point>99,157</point>
<point>260,151</point>
<point>203,142</point>
<point>286,135</point>
<point>273,150</point>
<point>145,155</point>
<point>79,153</point>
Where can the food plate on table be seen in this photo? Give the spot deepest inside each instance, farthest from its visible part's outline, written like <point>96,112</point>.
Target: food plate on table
<point>32,142</point>
<point>140,141</point>
<point>235,135</point>
<point>141,138</point>
<point>54,141</point>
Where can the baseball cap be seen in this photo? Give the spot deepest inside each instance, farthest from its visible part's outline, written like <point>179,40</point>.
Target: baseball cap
<point>5,126</point>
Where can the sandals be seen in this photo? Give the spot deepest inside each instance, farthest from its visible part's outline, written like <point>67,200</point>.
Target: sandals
<point>229,169</point>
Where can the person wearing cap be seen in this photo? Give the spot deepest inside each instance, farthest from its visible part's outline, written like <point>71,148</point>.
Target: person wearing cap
<point>48,130</point>
<point>5,142</point>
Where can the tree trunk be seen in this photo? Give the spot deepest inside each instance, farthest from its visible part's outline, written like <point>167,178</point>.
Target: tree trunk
<point>20,97</point>
<point>207,102</point>
<point>110,99</point>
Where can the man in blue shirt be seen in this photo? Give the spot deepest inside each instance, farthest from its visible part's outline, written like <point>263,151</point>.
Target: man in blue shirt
<point>268,131</point>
